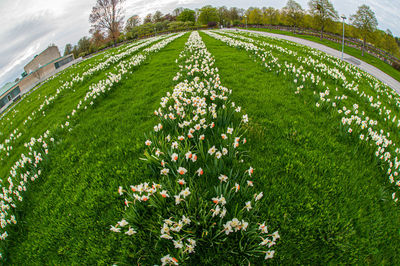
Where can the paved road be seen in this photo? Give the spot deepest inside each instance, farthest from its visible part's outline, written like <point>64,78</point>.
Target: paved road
<point>382,76</point>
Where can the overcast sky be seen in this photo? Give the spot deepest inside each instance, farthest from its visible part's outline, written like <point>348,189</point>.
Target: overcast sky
<point>29,26</point>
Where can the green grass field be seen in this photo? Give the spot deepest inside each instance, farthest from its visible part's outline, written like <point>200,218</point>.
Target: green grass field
<point>325,189</point>
<point>372,60</point>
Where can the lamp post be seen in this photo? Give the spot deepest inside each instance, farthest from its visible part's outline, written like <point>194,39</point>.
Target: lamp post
<point>245,17</point>
<point>343,17</point>
<point>155,31</point>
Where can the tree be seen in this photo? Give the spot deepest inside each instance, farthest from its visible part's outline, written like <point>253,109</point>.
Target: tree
<point>323,12</point>
<point>223,15</point>
<point>234,14</point>
<point>83,46</point>
<point>270,15</point>
<point>157,17</point>
<point>132,22</point>
<point>364,19</point>
<point>67,49</point>
<point>177,11</point>
<point>208,14</point>
<point>294,13</point>
<point>187,15</point>
<point>147,18</point>
<point>98,39</point>
<point>389,43</point>
<point>107,15</point>
<point>255,16</point>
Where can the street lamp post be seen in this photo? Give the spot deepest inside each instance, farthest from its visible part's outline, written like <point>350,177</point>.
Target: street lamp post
<point>343,17</point>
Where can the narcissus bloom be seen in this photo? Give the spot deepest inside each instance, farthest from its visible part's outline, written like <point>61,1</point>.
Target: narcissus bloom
<point>148,142</point>
<point>122,223</point>
<point>236,187</point>
<point>182,170</point>
<point>212,150</point>
<point>130,231</point>
<point>181,182</point>
<point>199,172</point>
<point>120,190</point>
<point>164,194</point>
<point>164,171</point>
<point>174,157</point>
<point>250,171</point>
<point>223,178</point>
<point>115,229</point>
<point>269,254</point>
<point>185,192</point>
<point>259,196</point>
<point>188,155</point>
<point>248,206</point>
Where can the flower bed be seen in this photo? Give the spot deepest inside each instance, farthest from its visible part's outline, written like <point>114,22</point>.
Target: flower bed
<point>203,193</point>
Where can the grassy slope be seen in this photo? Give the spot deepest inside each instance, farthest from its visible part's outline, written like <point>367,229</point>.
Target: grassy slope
<point>55,113</point>
<point>372,60</point>
<point>66,216</point>
<point>327,195</point>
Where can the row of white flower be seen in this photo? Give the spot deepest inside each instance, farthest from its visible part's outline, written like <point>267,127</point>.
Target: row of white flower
<point>194,142</point>
<point>27,168</point>
<point>341,72</point>
<point>106,62</point>
<point>368,128</point>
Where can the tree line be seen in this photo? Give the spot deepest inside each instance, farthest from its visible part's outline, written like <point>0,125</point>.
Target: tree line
<point>109,27</point>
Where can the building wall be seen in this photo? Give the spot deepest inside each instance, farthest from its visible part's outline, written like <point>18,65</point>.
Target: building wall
<point>42,59</point>
<point>33,79</point>
<point>9,96</point>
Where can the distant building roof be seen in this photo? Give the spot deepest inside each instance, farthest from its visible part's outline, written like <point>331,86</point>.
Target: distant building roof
<point>6,87</point>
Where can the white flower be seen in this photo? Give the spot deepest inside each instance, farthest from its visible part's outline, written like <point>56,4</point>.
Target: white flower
<point>212,150</point>
<point>177,244</point>
<point>115,229</point>
<point>248,206</point>
<point>245,118</point>
<point>185,220</point>
<point>148,142</point>
<point>174,157</point>
<point>269,254</point>
<point>123,222</point>
<point>182,170</point>
<point>164,171</point>
<point>185,193</point>
<point>223,178</point>
<point>259,196</point>
<point>130,231</point>
<point>178,199</point>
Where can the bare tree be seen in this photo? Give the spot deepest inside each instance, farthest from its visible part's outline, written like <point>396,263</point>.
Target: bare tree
<point>323,12</point>
<point>365,21</point>
<point>107,15</point>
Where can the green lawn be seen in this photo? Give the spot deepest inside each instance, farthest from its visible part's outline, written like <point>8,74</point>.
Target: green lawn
<point>324,190</point>
<point>372,60</point>
<point>326,193</point>
<point>65,216</point>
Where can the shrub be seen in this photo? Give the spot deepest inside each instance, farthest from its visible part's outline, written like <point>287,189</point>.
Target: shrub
<point>396,65</point>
